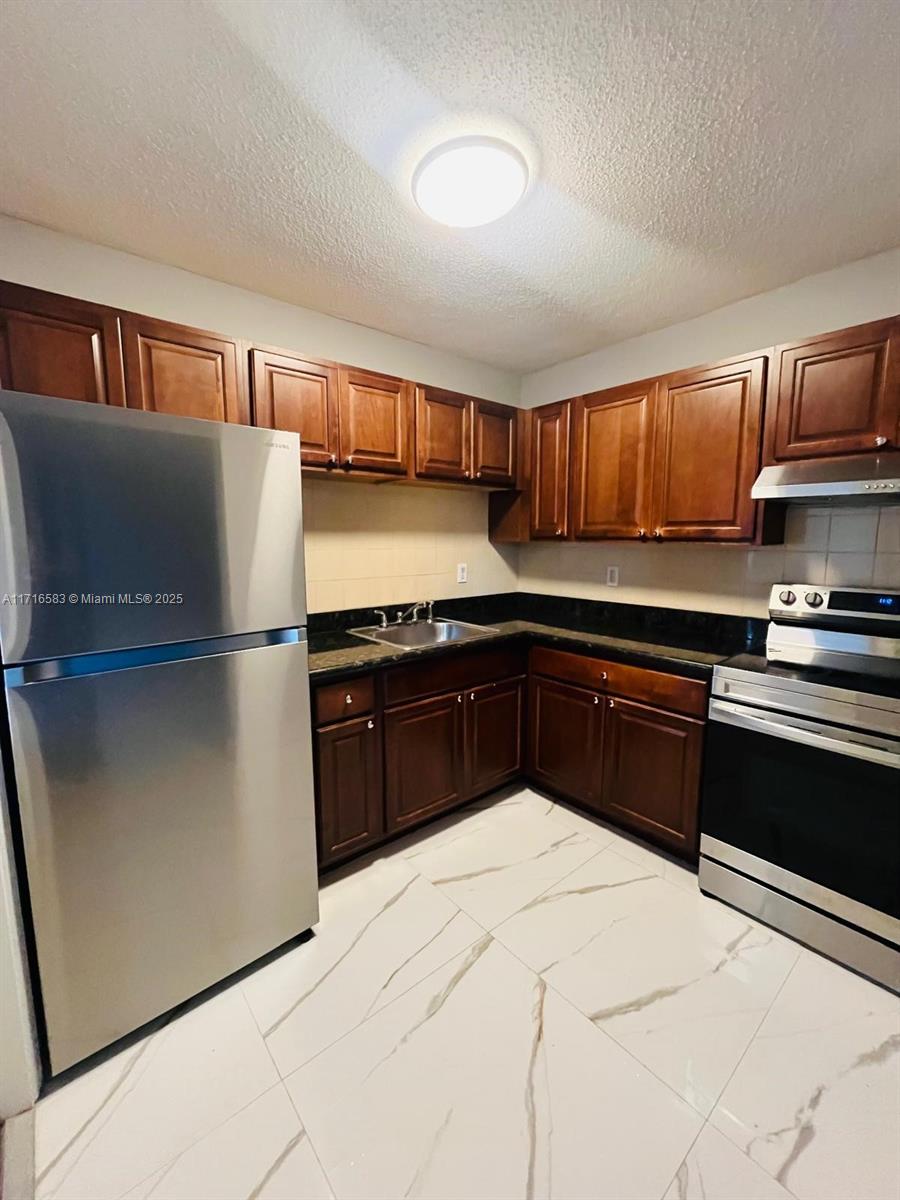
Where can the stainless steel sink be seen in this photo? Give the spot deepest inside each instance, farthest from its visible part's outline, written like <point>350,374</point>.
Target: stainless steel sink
<point>418,634</point>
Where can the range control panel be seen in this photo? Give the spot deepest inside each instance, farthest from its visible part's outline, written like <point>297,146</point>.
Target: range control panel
<point>814,600</point>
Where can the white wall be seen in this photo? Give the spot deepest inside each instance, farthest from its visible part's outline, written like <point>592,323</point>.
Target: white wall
<point>18,1059</point>
<point>41,258</point>
<point>849,295</point>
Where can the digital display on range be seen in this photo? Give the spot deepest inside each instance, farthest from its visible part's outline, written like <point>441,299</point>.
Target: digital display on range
<point>887,603</point>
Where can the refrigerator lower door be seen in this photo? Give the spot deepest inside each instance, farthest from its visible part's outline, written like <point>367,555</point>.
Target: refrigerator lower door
<point>168,828</point>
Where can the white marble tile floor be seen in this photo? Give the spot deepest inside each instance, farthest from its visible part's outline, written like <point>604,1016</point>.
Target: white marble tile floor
<point>518,1003</point>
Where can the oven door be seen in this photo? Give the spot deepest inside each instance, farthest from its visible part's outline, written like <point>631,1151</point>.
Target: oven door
<point>815,806</point>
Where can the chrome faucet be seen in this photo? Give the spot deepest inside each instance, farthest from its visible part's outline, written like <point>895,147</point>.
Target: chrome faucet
<point>411,614</point>
<point>382,615</point>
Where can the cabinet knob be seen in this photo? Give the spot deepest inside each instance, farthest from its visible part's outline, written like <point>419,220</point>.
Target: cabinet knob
<point>349,462</point>
<point>459,699</point>
<point>477,474</point>
<point>881,440</point>
<point>657,535</point>
<point>468,474</point>
<point>332,462</point>
<point>642,534</point>
<point>370,725</point>
<point>611,703</point>
<point>603,676</point>
<point>348,699</point>
<point>596,699</point>
<point>558,531</point>
<point>471,695</point>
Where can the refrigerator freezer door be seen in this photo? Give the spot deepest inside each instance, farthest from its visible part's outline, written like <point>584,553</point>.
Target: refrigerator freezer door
<point>168,828</point>
<point>121,528</point>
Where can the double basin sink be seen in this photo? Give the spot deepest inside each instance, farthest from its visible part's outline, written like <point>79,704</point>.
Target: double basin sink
<point>416,635</point>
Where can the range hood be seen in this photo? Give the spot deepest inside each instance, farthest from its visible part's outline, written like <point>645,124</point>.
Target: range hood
<point>851,480</point>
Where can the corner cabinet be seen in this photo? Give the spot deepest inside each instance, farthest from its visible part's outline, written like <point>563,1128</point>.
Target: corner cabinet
<point>300,396</point>
<point>463,439</point>
<point>373,421</point>
<point>550,470</point>
<point>183,372</point>
<point>706,452</point>
<point>565,743</point>
<point>835,394</point>
<point>55,346</point>
<point>612,435</point>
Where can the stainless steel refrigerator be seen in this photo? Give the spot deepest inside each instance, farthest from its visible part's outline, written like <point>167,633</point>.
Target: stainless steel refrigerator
<point>152,631</point>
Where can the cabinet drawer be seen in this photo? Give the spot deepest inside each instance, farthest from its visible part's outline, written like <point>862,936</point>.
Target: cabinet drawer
<point>455,671</point>
<point>638,683</point>
<point>352,698</point>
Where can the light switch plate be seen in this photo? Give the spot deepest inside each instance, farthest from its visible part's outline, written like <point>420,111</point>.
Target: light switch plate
<point>462,573</point>
<point>612,576</point>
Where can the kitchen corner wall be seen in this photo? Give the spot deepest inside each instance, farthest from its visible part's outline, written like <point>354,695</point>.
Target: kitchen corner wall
<point>853,546</point>
<point>381,544</point>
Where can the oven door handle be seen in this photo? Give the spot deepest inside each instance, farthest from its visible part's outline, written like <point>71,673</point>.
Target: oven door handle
<point>836,741</point>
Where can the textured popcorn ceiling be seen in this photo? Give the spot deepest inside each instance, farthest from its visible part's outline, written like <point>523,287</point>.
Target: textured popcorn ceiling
<point>690,152</point>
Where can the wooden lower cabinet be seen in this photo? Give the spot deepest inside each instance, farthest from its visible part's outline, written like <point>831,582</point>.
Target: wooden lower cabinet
<point>651,772</point>
<point>493,734</point>
<point>349,787</point>
<point>565,744</point>
<point>423,759</point>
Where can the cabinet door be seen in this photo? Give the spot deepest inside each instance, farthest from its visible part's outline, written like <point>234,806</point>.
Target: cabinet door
<point>706,453</point>
<point>423,758</point>
<point>349,791</point>
<point>836,394</point>
<point>565,746</point>
<point>550,470</point>
<point>493,443</point>
<point>54,346</point>
<point>183,372</point>
<point>493,735</point>
<point>374,421</point>
<point>613,432</point>
<point>651,773</point>
<point>443,434</point>
<point>299,396</point>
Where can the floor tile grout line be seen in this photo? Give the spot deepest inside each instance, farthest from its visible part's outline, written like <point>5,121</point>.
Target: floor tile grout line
<point>290,1098</point>
<point>196,1142</point>
<point>737,1066</point>
<point>664,1192</point>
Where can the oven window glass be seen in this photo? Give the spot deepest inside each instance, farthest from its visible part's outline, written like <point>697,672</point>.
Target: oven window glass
<point>829,818</point>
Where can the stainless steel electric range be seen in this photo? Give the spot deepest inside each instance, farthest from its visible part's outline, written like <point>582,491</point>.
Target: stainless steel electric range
<point>800,819</point>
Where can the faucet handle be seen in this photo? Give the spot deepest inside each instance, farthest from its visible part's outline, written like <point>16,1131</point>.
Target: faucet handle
<point>383,622</point>
<point>429,604</point>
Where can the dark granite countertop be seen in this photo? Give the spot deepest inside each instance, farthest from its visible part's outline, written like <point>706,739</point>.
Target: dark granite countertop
<point>336,655</point>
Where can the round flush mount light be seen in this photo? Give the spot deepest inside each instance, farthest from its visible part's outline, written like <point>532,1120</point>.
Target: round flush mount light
<point>470,181</point>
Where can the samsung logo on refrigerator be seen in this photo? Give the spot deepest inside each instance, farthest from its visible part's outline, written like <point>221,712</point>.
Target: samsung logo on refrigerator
<point>279,445</point>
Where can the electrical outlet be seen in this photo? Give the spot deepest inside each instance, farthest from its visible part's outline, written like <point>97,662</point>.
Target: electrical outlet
<point>612,576</point>
<point>462,573</point>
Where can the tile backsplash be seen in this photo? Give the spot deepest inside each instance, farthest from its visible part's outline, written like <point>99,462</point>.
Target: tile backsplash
<point>853,546</point>
<point>383,544</point>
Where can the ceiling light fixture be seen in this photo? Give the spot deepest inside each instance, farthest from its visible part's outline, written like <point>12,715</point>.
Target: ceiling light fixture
<point>470,181</point>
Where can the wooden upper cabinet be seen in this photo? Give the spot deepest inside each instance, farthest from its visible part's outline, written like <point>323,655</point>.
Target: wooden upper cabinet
<point>374,415</point>
<point>298,395</point>
<point>55,346</point>
<point>550,470</point>
<point>183,372</point>
<point>443,434</point>
<point>613,432</point>
<point>835,394</point>
<point>706,452</point>
<point>494,443</point>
